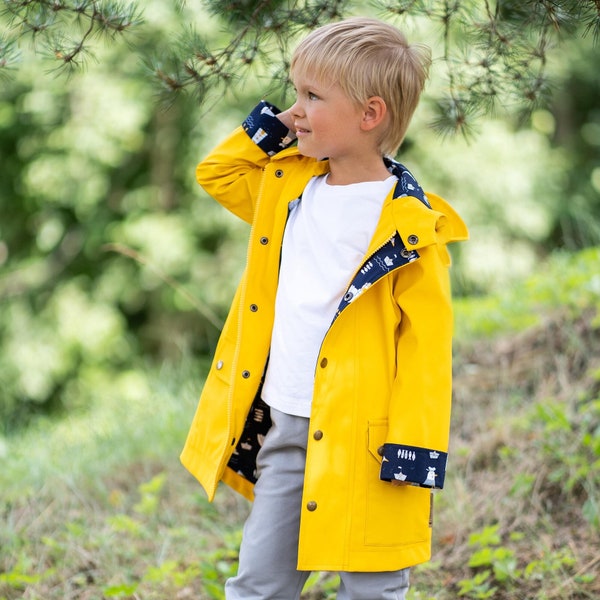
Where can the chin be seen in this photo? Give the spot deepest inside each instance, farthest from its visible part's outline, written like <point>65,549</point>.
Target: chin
<point>308,153</point>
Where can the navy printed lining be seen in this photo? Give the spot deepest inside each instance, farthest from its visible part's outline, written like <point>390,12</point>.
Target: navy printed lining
<point>266,130</point>
<point>258,423</point>
<point>389,257</point>
<point>417,466</point>
<point>407,185</point>
<point>394,253</point>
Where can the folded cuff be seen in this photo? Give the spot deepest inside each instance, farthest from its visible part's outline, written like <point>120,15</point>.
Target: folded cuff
<point>414,465</point>
<point>266,130</point>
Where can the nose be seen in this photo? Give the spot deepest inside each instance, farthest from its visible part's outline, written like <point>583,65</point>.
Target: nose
<point>296,109</point>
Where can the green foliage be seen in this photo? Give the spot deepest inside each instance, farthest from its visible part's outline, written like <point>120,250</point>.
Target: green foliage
<point>220,564</point>
<point>97,502</point>
<point>576,141</point>
<point>489,553</point>
<point>569,441</point>
<point>65,28</point>
<point>539,455</point>
<point>322,585</point>
<point>245,12</point>
<point>495,566</point>
<point>109,254</point>
<point>478,586</point>
<point>117,515</point>
<point>494,53</point>
<point>114,263</point>
<point>19,579</point>
<point>566,282</point>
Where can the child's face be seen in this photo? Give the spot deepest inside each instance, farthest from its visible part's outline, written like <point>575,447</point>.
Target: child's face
<point>326,121</point>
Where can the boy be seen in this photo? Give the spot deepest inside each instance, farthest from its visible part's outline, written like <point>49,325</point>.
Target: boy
<point>328,401</point>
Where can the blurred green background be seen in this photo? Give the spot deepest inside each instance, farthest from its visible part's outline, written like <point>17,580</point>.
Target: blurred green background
<point>114,263</point>
<point>116,273</point>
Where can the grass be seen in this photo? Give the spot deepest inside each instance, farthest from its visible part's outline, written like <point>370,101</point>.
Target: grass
<point>568,282</point>
<point>95,505</point>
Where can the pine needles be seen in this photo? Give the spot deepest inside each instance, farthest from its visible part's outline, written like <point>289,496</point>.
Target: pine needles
<point>62,30</point>
<point>494,53</point>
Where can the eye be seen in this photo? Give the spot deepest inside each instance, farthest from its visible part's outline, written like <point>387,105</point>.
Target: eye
<point>312,96</point>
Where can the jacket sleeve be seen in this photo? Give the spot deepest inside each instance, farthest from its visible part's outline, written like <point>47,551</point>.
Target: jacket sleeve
<point>419,417</point>
<point>232,172</point>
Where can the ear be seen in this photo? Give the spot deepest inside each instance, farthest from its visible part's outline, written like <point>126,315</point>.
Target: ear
<point>374,112</point>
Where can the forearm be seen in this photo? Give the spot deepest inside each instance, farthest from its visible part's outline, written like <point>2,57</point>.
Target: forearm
<point>419,415</point>
<point>232,171</point>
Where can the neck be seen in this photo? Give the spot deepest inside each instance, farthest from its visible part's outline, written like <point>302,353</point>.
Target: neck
<point>345,173</point>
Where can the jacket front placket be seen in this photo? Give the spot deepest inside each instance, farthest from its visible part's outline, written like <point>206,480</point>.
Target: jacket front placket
<point>391,255</point>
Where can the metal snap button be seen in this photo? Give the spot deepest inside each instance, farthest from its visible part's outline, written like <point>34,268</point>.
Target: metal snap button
<point>318,435</point>
<point>381,450</point>
<point>323,363</point>
<point>311,506</point>
<point>279,173</point>
<point>413,239</point>
<point>219,365</point>
<point>245,374</point>
<point>253,307</point>
<point>264,240</point>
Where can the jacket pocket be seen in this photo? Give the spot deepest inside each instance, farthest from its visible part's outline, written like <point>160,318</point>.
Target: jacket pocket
<point>394,516</point>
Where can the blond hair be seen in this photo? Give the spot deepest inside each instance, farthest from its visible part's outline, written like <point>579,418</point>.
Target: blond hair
<point>367,57</point>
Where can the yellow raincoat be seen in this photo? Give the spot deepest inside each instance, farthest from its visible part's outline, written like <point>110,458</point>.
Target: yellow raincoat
<point>382,389</point>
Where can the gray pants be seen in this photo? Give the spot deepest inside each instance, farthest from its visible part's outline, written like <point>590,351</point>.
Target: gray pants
<point>269,550</point>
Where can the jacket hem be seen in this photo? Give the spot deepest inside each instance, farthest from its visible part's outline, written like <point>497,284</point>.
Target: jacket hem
<point>408,556</point>
<point>238,484</point>
<point>205,479</point>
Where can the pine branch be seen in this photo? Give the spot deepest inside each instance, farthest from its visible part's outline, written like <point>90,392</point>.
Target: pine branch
<point>9,56</point>
<point>495,52</point>
<point>263,30</point>
<point>591,20</point>
<point>65,27</point>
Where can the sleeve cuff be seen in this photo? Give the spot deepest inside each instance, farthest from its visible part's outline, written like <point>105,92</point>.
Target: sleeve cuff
<point>266,130</point>
<point>418,466</point>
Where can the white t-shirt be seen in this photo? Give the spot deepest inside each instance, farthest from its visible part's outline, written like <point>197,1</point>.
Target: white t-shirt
<point>325,239</point>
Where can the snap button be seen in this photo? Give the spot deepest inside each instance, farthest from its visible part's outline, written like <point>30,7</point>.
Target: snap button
<point>380,450</point>
<point>311,506</point>
<point>245,374</point>
<point>413,239</point>
<point>279,173</point>
<point>404,253</point>
<point>264,240</point>
<point>348,297</point>
<point>253,307</point>
<point>219,365</point>
<point>323,363</point>
<point>318,435</point>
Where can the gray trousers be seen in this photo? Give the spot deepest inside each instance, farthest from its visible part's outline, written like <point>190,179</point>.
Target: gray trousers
<point>269,551</point>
